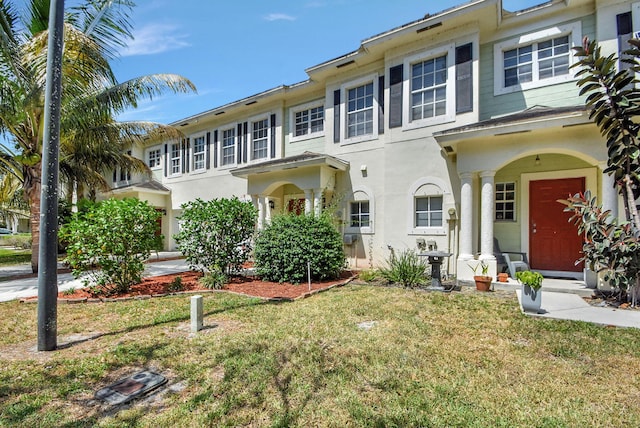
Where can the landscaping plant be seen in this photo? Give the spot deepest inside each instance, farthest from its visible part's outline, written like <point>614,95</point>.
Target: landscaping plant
<point>215,236</point>
<point>111,242</point>
<point>609,245</point>
<point>289,242</point>
<point>407,269</point>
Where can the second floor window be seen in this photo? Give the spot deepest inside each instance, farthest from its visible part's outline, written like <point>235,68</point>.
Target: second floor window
<point>360,111</point>
<point>309,121</point>
<point>176,159</point>
<point>260,139</point>
<point>429,88</point>
<point>537,61</point>
<point>153,158</point>
<point>228,146</point>
<point>199,151</point>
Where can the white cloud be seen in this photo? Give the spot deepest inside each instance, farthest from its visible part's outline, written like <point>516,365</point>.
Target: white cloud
<point>153,39</point>
<point>279,17</point>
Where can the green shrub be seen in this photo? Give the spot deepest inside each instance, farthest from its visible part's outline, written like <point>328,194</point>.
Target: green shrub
<point>176,284</point>
<point>368,275</point>
<point>407,269</point>
<point>214,280</point>
<point>285,246</point>
<point>215,236</point>
<point>111,241</point>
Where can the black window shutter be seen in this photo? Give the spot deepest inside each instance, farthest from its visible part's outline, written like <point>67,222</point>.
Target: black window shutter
<point>245,139</point>
<point>208,161</point>
<point>464,79</point>
<point>166,155</point>
<point>625,32</point>
<point>272,136</point>
<point>395,95</point>
<point>381,105</point>
<point>239,143</point>
<point>336,116</point>
<point>185,156</point>
<point>215,148</point>
<point>115,176</point>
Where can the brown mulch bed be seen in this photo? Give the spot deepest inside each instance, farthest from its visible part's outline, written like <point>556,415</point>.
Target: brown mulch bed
<point>247,285</point>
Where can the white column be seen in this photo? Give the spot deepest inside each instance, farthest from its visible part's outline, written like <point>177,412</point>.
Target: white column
<point>486,215</point>
<point>609,192</point>
<point>260,212</point>
<point>466,217</point>
<point>267,212</point>
<point>308,201</point>
<point>317,201</point>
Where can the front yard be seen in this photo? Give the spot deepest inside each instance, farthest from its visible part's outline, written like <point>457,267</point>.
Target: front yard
<point>352,356</point>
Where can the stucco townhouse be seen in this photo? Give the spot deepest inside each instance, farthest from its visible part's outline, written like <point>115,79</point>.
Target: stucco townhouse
<point>444,133</point>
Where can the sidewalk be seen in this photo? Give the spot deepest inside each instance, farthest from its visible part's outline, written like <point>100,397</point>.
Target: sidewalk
<point>25,284</point>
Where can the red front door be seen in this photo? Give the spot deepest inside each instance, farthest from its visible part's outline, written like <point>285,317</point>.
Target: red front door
<point>296,206</point>
<point>554,243</point>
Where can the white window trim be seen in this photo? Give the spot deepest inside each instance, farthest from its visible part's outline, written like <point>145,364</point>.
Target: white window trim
<point>192,149</point>
<point>371,78</point>
<point>170,172</point>
<point>450,114</point>
<point>411,195</point>
<point>250,122</point>
<point>574,30</point>
<point>372,211</point>
<point>159,165</point>
<point>221,130</point>
<point>292,121</point>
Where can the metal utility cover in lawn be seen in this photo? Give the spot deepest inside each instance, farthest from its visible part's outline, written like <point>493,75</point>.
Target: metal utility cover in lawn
<point>130,387</point>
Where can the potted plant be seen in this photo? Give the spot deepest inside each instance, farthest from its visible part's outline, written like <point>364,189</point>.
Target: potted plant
<point>483,282</point>
<point>531,296</point>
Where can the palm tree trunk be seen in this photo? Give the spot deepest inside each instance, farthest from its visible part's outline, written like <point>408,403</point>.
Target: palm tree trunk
<point>32,186</point>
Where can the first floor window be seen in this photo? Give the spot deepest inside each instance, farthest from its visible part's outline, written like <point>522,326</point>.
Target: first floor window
<point>228,146</point>
<point>153,158</point>
<point>260,139</point>
<point>360,214</point>
<point>506,201</point>
<point>176,159</point>
<point>199,149</point>
<point>360,111</point>
<point>428,211</point>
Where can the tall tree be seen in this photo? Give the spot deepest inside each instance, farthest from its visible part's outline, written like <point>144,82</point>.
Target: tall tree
<point>613,98</point>
<point>91,138</point>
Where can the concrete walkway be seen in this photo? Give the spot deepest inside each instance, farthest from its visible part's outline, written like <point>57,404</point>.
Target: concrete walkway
<point>24,284</point>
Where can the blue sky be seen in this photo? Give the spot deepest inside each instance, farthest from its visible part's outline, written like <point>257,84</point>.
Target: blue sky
<point>234,49</point>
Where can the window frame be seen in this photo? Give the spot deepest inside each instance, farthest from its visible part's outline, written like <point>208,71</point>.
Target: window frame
<point>158,164</point>
<point>252,140</point>
<point>344,120</point>
<point>222,131</point>
<point>361,194</point>
<point>195,155</point>
<point>428,186</point>
<point>574,32</point>
<point>301,108</point>
<point>429,211</point>
<point>177,159</point>
<point>450,109</point>
<point>505,201</point>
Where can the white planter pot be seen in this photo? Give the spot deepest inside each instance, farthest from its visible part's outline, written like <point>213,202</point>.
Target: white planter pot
<point>530,299</point>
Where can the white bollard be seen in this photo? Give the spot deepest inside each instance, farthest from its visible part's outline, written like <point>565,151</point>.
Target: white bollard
<point>196,313</point>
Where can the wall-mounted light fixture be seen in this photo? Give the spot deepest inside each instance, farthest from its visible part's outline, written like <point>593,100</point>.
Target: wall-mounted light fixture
<point>537,162</point>
<point>272,204</point>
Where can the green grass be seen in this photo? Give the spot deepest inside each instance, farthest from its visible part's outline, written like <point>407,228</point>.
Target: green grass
<point>10,256</point>
<point>431,359</point>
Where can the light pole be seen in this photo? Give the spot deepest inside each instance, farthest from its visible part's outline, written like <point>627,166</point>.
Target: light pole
<point>48,247</point>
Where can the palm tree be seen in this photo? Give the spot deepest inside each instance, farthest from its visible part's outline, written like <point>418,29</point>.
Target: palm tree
<point>91,138</point>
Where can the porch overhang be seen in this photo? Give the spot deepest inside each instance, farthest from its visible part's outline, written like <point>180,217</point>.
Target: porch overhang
<point>304,160</point>
<point>529,120</point>
<point>151,191</point>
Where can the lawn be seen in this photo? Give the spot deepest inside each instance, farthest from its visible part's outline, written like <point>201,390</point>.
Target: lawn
<point>420,359</point>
